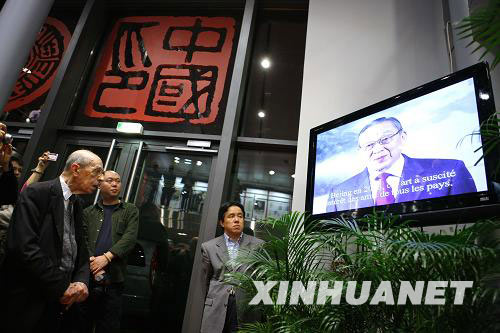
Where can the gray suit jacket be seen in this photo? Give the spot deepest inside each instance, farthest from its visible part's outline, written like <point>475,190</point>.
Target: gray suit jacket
<point>215,256</point>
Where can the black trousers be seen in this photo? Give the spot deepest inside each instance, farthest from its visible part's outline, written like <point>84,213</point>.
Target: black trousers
<point>231,322</point>
<point>102,309</point>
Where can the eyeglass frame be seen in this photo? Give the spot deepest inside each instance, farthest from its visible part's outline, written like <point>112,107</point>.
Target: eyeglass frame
<point>388,140</point>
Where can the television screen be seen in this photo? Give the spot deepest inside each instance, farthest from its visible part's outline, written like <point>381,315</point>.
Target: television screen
<point>406,152</point>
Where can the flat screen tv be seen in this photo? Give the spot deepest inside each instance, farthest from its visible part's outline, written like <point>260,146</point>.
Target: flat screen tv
<point>412,154</point>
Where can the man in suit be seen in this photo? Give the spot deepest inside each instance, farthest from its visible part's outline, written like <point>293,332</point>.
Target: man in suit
<point>391,176</point>
<point>47,264</point>
<point>220,313</point>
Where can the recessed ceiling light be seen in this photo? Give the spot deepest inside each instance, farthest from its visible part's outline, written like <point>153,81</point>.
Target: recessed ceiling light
<point>484,96</point>
<point>261,114</point>
<point>265,63</point>
<point>199,163</point>
<point>271,172</point>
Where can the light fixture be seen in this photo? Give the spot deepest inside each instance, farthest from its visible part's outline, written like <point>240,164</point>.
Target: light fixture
<point>187,160</point>
<point>176,161</point>
<point>182,234</point>
<point>261,114</point>
<point>484,96</point>
<point>293,176</point>
<point>131,128</point>
<point>199,163</point>
<point>265,63</point>
<point>26,70</point>
<point>271,172</point>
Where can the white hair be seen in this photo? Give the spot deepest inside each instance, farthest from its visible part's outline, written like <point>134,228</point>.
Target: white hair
<point>81,157</point>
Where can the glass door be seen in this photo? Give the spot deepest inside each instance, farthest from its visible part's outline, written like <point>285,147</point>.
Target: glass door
<point>114,153</point>
<point>170,189</point>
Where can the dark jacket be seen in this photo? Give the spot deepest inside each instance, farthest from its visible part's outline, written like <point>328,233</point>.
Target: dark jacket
<point>32,281</point>
<point>8,186</point>
<point>124,226</point>
<point>423,183</point>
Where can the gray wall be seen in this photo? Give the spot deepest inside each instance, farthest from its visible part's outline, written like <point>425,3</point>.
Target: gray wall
<point>359,52</point>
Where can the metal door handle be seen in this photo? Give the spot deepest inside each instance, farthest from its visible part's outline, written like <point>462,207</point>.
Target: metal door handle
<point>134,170</point>
<point>106,164</point>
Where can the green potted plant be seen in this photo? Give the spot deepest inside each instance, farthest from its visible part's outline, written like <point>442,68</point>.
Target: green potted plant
<point>298,250</point>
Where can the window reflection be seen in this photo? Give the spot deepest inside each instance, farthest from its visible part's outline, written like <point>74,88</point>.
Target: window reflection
<point>272,101</point>
<point>262,194</point>
<point>169,190</point>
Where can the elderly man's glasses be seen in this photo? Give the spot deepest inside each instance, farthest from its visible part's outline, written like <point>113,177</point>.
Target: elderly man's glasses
<point>382,141</point>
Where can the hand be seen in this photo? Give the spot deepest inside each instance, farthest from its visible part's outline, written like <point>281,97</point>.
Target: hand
<point>3,130</point>
<point>83,291</point>
<point>5,155</point>
<point>98,263</point>
<point>76,292</point>
<point>43,162</point>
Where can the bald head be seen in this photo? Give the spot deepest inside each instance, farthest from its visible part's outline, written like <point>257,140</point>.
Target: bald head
<point>82,158</point>
<point>110,186</point>
<point>82,170</point>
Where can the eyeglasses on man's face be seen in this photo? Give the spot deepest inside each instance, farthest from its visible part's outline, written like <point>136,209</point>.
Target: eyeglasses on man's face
<point>382,141</point>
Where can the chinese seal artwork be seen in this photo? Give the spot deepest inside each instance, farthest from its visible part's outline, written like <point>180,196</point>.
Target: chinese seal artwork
<point>41,67</point>
<point>164,69</point>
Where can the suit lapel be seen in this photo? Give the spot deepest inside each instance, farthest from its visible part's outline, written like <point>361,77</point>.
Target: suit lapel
<point>57,206</point>
<point>221,249</point>
<point>411,169</point>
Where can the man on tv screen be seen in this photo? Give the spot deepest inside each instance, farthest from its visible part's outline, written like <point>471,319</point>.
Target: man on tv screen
<point>391,176</point>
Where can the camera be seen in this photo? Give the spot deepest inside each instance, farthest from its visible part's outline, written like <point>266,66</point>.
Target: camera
<point>7,139</point>
<point>52,157</point>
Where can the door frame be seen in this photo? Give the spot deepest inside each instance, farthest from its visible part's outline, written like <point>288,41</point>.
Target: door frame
<point>126,159</point>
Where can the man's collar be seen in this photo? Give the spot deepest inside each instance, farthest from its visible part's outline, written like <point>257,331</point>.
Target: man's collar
<point>101,205</point>
<point>65,188</point>
<point>395,170</point>
<point>227,238</point>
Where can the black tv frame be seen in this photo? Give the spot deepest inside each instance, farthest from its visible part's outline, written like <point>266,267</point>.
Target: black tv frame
<point>464,208</point>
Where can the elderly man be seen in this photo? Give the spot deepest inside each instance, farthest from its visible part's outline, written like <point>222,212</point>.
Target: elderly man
<point>47,264</point>
<point>391,176</point>
<point>111,230</point>
<point>220,313</point>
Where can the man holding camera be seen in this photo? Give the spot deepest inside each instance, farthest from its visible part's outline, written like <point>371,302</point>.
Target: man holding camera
<point>8,180</point>
<point>111,227</point>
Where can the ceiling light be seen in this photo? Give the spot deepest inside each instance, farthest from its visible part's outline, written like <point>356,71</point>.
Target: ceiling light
<point>26,70</point>
<point>176,161</point>
<point>271,172</point>
<point>187,162</point>
<point>261,114</point>
<point>265,63</point>
<point>181,234</point>
<point>293,176</point>
<point>176,158</point>
<point>484,96</point>
<point>199,163</point>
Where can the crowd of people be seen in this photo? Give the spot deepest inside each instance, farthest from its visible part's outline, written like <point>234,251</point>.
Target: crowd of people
<point>62,267</point>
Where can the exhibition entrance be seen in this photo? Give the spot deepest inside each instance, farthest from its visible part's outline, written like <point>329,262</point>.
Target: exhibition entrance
<point>169,183</point>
